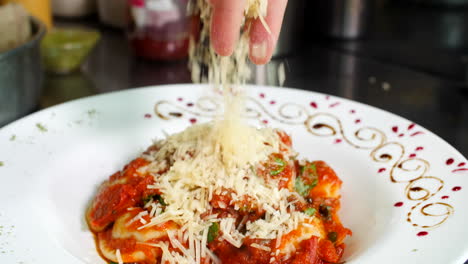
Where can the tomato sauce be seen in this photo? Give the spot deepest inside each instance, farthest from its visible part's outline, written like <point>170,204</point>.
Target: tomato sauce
<point>124,189</point>
<point>229,254</point>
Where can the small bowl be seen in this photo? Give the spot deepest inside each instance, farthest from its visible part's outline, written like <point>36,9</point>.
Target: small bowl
<point>21,77</point>
<point>64,50</point>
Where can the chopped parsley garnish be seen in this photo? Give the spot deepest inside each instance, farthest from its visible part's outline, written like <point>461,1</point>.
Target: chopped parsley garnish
<point>92,112</point>
<point>1,163</point>
<point>310,211</point>
<point>41,127</point>
<point>213,232</point>
<point>13,137</point>
<point>302,188</point>
<point>147,199</point>
<point>281,163</point>
<point>160,199</point>
<point>310,167</point>
<point>332,236</point>
<point>156,197</point>
<point>310,172</point>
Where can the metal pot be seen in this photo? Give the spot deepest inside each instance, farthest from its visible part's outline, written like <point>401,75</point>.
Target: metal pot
<point>21,77</point>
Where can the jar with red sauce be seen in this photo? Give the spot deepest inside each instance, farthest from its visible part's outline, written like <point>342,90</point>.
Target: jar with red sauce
<point>161,29</point>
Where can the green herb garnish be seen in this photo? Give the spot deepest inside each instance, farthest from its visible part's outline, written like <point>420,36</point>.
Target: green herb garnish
<point>41,127</point>
<point>13,137</point>
<point>281,163</point>
<point>313,168</point>
<point>213,232</point>
<point>302,188</point>
<point>310,211</point>
<point>160,199</point>
<point>92,112</point>
<point>156,197</point>
<point>1,163</point>
<point>147,199</point>
<point>332,236</point>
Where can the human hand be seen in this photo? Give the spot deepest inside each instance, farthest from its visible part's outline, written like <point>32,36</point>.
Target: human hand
<point>226,22</point>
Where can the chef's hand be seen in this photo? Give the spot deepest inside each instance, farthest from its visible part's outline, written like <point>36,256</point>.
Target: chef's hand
<point>226,22</point>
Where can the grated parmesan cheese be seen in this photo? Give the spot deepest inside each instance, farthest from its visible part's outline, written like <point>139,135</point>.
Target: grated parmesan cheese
<point>119,256</point>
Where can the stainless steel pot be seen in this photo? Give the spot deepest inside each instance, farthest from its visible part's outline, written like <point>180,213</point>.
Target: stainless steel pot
<point>21,77</point>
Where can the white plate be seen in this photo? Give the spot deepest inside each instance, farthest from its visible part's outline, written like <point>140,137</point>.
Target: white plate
<point>404,191</point>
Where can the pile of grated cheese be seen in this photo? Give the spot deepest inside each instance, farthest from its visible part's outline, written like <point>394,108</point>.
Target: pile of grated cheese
<point>196,167</point>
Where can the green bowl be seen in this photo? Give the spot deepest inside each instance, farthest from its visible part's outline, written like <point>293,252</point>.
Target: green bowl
<point>64,50</point>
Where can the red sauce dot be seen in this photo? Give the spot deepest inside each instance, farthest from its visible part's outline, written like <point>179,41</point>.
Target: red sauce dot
<point>272,102</point>
<point>313,104</point>
<point>180,99</point>
<point>461,164</point>
<point>411,126</point>
<point>352,111</point>
<point>189,104</point>
<point>193,120</point>
<point>417,133</point>
<point>422,233</point>
<point>398,204</point>
<point>265,121</point>
<point>412,155</point>
<point>449,161</point>
<point>327,97</point>
<point>337,141</point>
<point>456,188</point>
<point>382,170</point>
<point>401,135</point>
<point>357,121</point>
<point>419,148</point>
<point>445,197</point>
<point>395,129</point>
<point>262,95</point>
<point>147,116</point>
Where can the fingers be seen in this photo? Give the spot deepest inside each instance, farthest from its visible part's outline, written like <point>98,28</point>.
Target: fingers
<point>262,43</point>
<point>225,24</point>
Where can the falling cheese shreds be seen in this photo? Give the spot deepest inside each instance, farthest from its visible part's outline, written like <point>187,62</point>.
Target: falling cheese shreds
<point>205,64</point>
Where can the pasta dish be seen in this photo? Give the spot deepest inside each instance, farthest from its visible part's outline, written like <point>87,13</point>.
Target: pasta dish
<point>191,198</point>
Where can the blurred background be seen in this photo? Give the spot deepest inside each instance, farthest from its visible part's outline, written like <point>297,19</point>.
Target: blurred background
<point>409,57</point>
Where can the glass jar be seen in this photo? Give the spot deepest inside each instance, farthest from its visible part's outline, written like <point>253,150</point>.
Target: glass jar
<point>160,29</point>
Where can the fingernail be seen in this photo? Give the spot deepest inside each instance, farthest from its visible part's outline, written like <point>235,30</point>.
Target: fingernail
<point>259,50</point>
